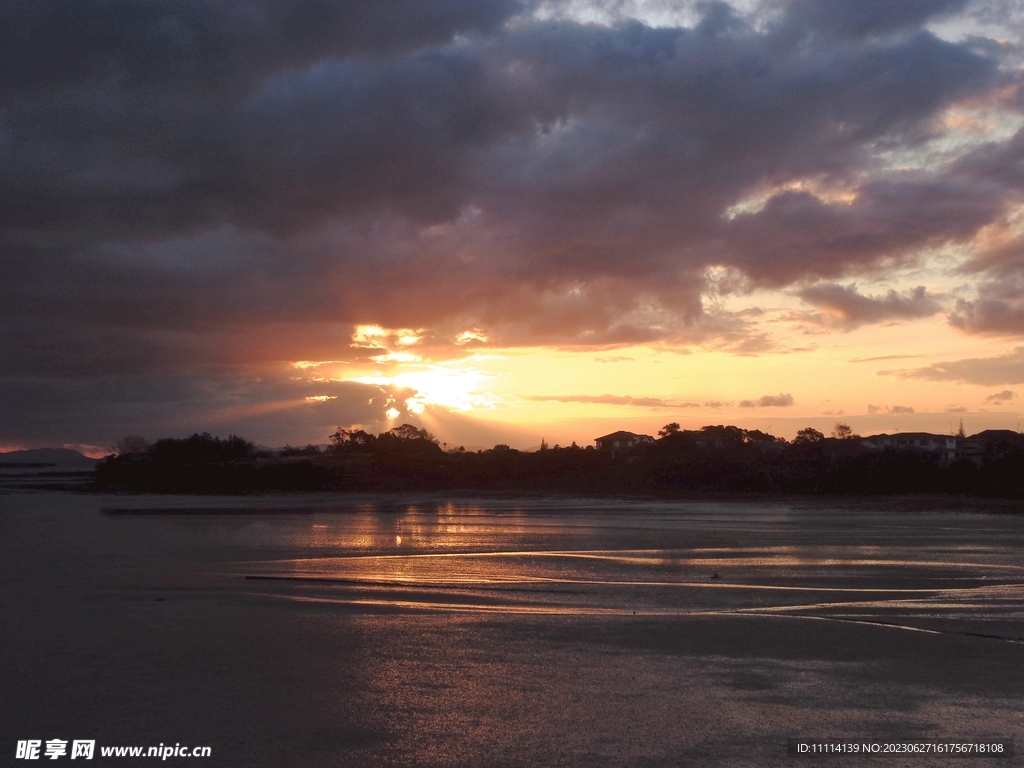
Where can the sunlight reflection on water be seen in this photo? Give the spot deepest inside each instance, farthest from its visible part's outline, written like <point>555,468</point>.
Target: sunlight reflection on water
<point>497,632</point>
<point>645,560</point>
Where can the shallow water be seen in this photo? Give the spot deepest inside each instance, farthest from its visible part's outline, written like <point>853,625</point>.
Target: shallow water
<point>427,631</point>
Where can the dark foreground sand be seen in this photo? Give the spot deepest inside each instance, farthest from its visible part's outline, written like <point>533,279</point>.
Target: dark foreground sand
<point>506,633</point>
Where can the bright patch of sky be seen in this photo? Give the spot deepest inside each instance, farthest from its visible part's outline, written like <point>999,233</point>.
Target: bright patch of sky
<point>959,130</point>
<point>653,13</point>
<point>448,385</point>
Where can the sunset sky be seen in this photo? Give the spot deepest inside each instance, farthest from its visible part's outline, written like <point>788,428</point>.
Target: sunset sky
<point>507,221</point>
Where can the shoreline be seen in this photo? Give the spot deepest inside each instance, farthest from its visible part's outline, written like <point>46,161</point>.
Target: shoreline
<point>319,502</point>
<point>77,483</point>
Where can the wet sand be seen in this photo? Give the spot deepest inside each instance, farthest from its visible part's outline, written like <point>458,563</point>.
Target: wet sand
<point>411,631</point>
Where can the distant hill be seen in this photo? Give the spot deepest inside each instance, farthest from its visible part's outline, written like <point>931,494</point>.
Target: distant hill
<point>55,458</point>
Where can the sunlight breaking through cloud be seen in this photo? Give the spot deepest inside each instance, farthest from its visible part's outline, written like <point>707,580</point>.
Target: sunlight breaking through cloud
<point>688,201</point>
<point>455,388</point>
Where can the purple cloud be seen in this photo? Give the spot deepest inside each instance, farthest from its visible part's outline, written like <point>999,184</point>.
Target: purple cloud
<point>1001,397</point>
<point>182,215</point>
<point>769,401</point>
<point>643,402</point>
<point>847,307</point>
<point>986,371</point>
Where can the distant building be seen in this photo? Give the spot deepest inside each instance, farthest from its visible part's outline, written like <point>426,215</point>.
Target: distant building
<point>622,441</point>
<point>946,448</point>
<point>997,443</point>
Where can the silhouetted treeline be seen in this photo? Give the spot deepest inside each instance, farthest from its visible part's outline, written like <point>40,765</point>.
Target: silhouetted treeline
<point>199,464</point>
<point>713,459</point>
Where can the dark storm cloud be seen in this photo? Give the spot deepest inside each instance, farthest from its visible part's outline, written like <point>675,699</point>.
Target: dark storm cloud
<point>846,306</point>
<point>100,410</point>
<point>997,311</point>
<point>208,189</point>
<point>214,46</point>
<point>798,236</point>
<point>845,20</point>
<point>998,308</point>
<point>647,134</point>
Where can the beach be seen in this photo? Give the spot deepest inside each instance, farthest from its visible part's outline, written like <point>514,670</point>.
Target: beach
<point>421,630</point>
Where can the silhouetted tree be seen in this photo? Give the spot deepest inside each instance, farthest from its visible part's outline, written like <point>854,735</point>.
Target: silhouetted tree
<point>409,432</point>
<point>714,458</point>
<point>202,449</point>
<point>720,436</point>
<point>351,439</point>
<point>669,429</point>
<point>131,444</point>
<point>842,431</point>
<point>290,451</point>
<point>808,435</point>
<point>757,436</point>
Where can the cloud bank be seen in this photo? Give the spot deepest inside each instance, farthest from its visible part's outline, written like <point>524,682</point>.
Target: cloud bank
<point>984,371</point>
<point>768,401</point>
<point>845,306</point>
<point>643,402</point>
<point>198,193</point>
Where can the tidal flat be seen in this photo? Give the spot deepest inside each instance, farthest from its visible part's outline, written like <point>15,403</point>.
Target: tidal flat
<point>436,631</point>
